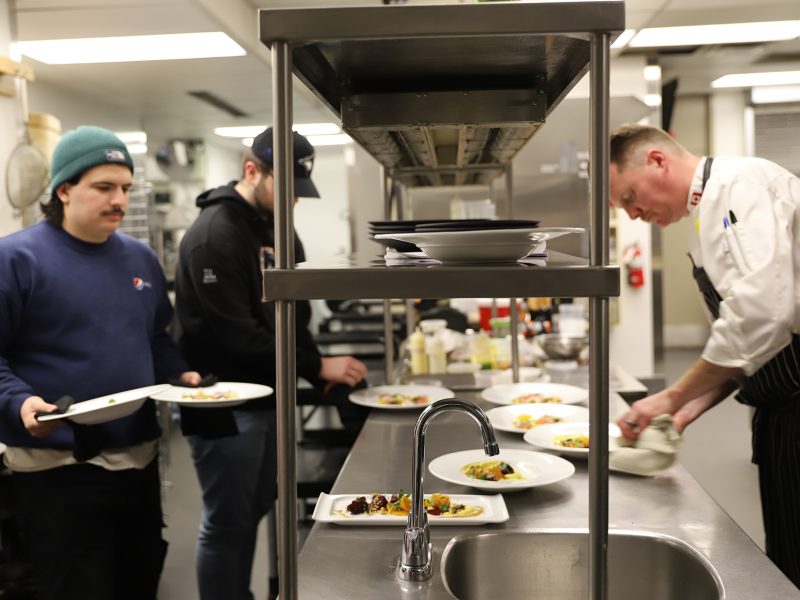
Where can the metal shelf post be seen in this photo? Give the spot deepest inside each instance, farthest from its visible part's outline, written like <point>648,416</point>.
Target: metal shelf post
<point>598,320</point>
<point>285,342</point>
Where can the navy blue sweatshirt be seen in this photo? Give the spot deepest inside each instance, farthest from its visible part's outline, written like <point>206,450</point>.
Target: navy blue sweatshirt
<point>85,320</point>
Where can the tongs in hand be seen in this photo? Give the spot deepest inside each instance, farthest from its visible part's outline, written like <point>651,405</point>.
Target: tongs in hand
<point>62,406</point>
<point>206,381</point>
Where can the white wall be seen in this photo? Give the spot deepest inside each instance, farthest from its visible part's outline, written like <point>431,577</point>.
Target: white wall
<point>631,338</point>
<point>10,128</point>
<point>322,223</point>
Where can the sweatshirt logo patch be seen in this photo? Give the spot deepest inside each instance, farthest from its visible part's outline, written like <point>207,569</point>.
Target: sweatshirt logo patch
<point>139,284</point>
<point>209,276</point>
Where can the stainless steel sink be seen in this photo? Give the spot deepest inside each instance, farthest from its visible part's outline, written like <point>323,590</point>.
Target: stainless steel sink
<point>553,565</point>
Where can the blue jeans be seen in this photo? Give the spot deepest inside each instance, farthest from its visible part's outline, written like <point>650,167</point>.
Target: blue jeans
<point>237,477</point>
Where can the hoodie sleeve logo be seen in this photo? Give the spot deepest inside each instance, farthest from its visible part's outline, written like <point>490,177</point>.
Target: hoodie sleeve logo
<point>209,276</point>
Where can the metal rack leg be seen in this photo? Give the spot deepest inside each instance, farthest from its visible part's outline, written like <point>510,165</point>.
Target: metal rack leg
<point>598,320</point>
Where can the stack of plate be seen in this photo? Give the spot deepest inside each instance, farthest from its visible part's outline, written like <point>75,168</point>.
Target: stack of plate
<point>381,230</point>
<point>484,243</point>
<point>386,227</point>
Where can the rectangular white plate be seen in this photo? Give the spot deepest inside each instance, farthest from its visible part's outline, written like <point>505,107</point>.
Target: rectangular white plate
<point>332,509</point>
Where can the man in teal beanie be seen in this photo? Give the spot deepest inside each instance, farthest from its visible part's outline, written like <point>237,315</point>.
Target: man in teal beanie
<point>77,152</point>
<point>84,314</point>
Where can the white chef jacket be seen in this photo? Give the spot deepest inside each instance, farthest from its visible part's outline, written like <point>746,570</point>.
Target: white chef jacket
<point>754,264</point>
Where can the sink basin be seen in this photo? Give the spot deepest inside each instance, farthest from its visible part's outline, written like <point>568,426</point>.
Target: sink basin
<point>553,565</point>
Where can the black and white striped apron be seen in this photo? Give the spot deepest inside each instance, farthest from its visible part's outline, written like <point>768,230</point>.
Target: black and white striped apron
<point>774,391</point>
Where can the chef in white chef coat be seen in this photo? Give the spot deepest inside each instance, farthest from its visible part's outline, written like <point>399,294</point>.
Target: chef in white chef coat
<point>744,249</point>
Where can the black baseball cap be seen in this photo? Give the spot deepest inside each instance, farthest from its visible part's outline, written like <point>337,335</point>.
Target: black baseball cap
<point>303,160</point>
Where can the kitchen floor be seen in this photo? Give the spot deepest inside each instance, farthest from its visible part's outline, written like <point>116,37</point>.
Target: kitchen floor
<point>715,450</point>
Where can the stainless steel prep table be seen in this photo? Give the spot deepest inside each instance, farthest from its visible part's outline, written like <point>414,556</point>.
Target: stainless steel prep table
<point>347,563</point>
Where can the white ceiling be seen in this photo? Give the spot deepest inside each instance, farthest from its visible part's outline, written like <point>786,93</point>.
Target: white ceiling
<point>157,91</point>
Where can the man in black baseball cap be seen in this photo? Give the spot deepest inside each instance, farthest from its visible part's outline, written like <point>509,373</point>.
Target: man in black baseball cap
<point>303,160</point>
<point>226,328</point>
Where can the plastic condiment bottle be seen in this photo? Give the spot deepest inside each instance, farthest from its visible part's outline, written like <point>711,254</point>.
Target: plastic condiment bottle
<point>419,359</point>
<point>484,352</point>
<point>437,357</point>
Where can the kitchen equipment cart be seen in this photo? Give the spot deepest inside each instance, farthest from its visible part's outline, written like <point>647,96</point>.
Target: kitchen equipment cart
<point>442,95</point>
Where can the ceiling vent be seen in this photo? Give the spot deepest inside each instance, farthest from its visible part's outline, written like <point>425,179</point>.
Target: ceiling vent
<point>218,103</point>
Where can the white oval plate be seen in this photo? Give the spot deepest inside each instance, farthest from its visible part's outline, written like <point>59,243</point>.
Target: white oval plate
<point>333,509</point>
<point>505,393</point>
<point>244,392</point>
<point>537,468</point>
<point>501,245</point>
<point>369,396</point>
<point>543,436</point>
<point>107,408</point>
<point>503,417</point>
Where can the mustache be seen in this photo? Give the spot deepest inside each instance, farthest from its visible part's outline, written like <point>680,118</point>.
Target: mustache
<point>114,211</point>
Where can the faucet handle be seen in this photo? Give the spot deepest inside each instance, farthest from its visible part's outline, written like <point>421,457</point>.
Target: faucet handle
<point>415,563</point>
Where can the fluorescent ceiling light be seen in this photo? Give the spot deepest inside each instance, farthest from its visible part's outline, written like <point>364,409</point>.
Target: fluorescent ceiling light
<point>303,129</point>
<point>132,137</point>
<point>338,139</point>
<point>728,33</point>
<point>775,93</point>
<point>624,38</point>
<point>177,46</point>
<point>137,148</point>
<point>329,140</point>
<point>755,79</point>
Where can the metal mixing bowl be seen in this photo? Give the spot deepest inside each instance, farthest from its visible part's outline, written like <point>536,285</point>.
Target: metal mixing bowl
<point>562,346</point>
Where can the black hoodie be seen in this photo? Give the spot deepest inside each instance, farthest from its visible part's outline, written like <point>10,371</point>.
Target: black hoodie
<point>225,327</point>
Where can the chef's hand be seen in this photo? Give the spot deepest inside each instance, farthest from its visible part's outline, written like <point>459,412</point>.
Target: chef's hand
<point>342,369</point>
<point>641,412</point>
<point>190,378</point>
<point>27,412</point>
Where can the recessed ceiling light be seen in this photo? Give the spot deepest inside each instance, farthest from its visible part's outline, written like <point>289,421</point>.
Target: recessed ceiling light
<point>754,79</point>
<point>652,73</point>
<point>135,48</point>
<point>727,33</point>
<point>652,99</point>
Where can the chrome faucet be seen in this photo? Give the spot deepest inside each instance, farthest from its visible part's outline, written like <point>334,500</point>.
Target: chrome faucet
<point>415,562</point>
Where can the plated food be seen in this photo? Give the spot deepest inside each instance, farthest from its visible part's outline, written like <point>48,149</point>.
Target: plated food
<point>403,399</point>
<point>107,408</point>
<point>535,392</point>
<point>222,393</point>
<point>491,470</point>
<point>400,396</point>
<point>440,505</point>
<point>204,394</point>
<point>536,398</point>
<point>393,509</point>
<point>531,469</point>
<point>568,438</point>
<point>519,418</point>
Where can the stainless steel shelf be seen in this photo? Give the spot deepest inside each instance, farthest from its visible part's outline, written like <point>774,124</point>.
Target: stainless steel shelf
<point>563,277</point>
<point>442,94</point>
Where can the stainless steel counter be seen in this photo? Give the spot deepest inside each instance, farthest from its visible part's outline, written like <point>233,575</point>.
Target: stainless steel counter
<point>350,563</point>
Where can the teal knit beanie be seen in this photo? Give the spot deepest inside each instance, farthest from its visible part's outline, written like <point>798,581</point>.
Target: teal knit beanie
<point>83,148</point>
